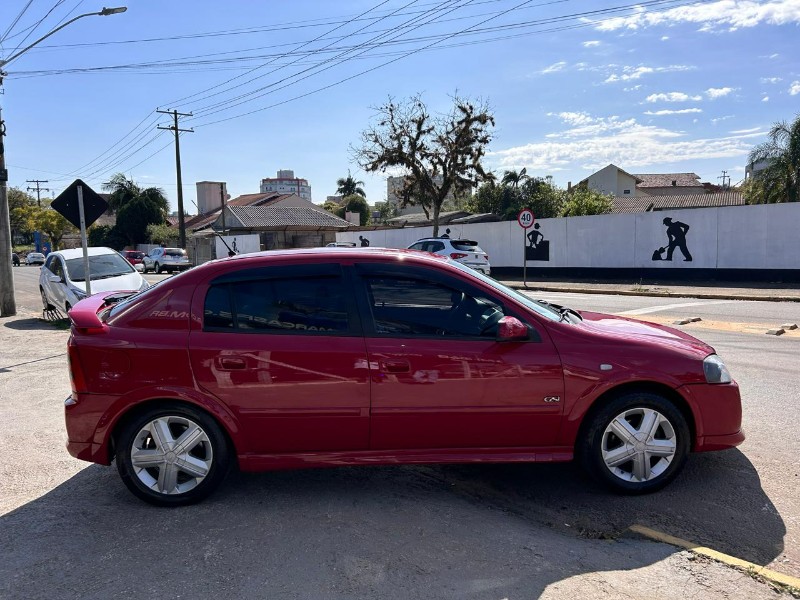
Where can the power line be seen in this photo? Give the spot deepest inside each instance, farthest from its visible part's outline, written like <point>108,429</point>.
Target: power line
<point>36,25</point>
<point>15,21</point>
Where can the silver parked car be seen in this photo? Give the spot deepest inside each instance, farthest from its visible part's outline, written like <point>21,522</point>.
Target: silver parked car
<point>466,252</point>
<point>62,282</point>
<point>34,258</point>
<point>166,259</point>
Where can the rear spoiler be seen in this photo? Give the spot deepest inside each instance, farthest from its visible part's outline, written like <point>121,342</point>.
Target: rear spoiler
<point>85,314</point>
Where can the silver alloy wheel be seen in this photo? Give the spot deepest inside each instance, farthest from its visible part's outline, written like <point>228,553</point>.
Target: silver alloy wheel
<point>638,445</point>
<point>171,455</point>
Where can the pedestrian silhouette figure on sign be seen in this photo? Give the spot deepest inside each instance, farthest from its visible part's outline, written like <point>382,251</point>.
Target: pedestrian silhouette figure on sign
<point>676,236</point>
<point>364,241</point>
<point>538,248</point>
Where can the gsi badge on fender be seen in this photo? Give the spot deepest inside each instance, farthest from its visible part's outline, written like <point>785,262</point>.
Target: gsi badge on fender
<point>348,356</point>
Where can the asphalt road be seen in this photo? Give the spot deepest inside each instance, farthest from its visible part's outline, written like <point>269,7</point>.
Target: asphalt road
<point>520,531</point>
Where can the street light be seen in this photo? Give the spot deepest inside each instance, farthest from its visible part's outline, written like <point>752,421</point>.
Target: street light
<point>8,305</point>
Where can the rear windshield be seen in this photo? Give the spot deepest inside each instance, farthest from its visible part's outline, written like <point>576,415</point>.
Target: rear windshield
<point>175,252</point>
<point>101,266</point>
<point>134,255</point>
<point>466,245</point>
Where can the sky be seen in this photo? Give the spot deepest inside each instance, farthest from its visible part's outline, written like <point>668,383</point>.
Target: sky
<point>655,87</point>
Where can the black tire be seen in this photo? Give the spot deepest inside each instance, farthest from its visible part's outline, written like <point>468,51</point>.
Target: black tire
<point>157,268</point>
<point>67,308</point>
<point>631,406</point>
<point>144,268</point>
<point>214,449</point>
<point>45,303</point>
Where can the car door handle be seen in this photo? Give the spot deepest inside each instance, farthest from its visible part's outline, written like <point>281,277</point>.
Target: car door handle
<point>396,366</point>
<point>229,363</point>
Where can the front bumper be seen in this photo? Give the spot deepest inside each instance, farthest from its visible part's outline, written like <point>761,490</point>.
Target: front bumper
<point>717,411</point>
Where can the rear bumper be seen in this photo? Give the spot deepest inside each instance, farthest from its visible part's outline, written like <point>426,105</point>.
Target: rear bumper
<point>719,442</point>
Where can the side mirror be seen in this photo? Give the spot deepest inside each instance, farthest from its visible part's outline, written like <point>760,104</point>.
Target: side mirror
<point>54,279</point>
<point>511,329</point>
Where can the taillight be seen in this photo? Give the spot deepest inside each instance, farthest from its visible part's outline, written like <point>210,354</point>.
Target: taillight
<point>76,377</point>
<point>457,255</point>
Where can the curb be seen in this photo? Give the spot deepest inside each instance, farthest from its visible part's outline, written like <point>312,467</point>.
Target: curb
<point>687,294</point>
<point>751,568</point>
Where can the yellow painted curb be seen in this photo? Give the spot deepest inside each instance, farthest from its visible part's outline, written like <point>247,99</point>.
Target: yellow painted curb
<point>768,574</point>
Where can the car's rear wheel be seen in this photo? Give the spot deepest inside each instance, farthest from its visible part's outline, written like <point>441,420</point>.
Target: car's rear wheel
<point>172,455</point>
<point>144,267</point>
<point>45,302</point>
<point>637,443</point>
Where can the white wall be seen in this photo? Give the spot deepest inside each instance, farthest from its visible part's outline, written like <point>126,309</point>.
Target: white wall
<point>734,237</point>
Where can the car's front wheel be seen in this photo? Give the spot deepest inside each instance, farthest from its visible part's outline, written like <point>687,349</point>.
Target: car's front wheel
<point>637,443</point>
<point>158,268</point>
<point>172,455</point>
<point>45,302</point>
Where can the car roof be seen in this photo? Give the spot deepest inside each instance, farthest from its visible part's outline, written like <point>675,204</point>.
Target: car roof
<point>78,252</point>
<point>340,252</point>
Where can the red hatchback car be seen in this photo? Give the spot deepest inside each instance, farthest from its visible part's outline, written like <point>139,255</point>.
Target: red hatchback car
<point>343,356</point>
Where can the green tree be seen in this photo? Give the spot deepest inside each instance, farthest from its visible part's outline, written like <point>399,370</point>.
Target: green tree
<point>356,203</point>
<point>438,155</point>
<point>52,224</point>
<point>21,208</point>
<point>779,181</point>
<point>331,207</point>
<point>583,201</point>
<point>347,186</point>
<point>515,178</point>
<point>388,210</point>
<point>545,199</point>
<point>162,234</point>
<point>136,207</point>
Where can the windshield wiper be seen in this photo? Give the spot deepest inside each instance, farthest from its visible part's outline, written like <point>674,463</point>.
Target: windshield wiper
<point>563,311</point>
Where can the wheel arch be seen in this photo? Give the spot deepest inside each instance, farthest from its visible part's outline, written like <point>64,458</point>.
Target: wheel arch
<point>653,387</point>
<point>142,407</point>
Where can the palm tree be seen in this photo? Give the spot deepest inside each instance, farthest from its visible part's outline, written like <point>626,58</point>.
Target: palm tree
<point>347,186</point>
<point>514,178</point>
<point>124,191</point>
<point>779,181</point>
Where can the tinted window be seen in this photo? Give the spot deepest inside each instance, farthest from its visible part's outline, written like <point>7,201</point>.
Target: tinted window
<point>413,307</point>
<point>435,246</point>
<point>56,268</point>
<point>466,246</point>
<point>417,246</point>
<point>134,254</point>
<point>174,252</point>
<point>313,304</point>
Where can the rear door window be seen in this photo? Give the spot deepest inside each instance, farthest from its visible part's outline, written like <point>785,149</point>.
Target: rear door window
<point>316,305</point>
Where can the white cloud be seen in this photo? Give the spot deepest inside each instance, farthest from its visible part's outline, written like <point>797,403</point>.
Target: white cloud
<point>629,73</point>
<point>554,68</point>
<point>765,99</point>
<point>718,119</point>
<point>794,89</point>
<point>771,79</point>
<point>672,97</point>
<point>611,140</point>
<point>740,131</point>
<point>714,93</point>
<point>591,43</point>
<point>683,111</point>
<point>664,38</point>
<point>574,118</point>
<point>632,88</point>
<point>711,16</point>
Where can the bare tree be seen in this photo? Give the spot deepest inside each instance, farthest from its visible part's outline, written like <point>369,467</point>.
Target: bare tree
<point>436,154</point>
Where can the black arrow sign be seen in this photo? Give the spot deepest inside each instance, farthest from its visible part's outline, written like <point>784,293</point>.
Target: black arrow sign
<point>67,204</point>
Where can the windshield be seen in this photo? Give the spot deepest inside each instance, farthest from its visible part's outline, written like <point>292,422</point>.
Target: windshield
<point>174,252</point>
<point>540,309</point>
<point>101,266</point>
<point>134,255</point>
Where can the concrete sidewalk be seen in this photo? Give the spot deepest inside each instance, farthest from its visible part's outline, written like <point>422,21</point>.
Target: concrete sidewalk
<point>760,291</point>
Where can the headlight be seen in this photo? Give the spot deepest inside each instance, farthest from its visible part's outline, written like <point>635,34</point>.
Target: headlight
<point>715,370</point>
<point>79,294</point>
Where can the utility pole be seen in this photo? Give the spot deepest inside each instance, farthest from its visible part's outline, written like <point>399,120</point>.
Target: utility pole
<point>37,189</point>
<point>222,204</point>
<point>8,304</point>
<point>726,180</point>
<point>175,114</point>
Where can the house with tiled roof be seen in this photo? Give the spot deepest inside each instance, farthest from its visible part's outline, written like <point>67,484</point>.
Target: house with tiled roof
<point>636,204</point>
<point>611,180</point>
<point>669,184</point>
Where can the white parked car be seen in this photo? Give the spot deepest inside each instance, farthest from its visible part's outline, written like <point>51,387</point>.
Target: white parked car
<point>166,259</point>
<point>34,258</point>
<point>62,282</point>
<point>466,252</point>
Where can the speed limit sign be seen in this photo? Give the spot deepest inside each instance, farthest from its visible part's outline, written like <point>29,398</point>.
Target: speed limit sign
<point>525,218</point>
